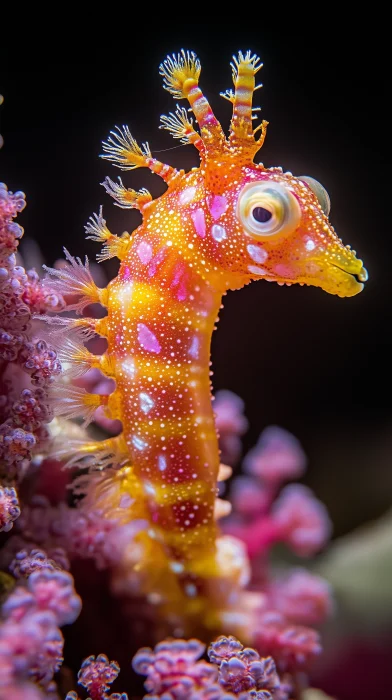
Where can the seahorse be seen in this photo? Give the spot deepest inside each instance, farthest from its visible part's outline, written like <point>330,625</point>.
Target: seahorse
<point>215,228</point>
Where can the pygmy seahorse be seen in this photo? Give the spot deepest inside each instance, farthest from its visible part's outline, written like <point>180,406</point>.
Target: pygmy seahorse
<point>216,228</point>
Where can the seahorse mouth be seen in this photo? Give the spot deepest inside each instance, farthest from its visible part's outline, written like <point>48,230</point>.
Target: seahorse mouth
<point>345,282</point>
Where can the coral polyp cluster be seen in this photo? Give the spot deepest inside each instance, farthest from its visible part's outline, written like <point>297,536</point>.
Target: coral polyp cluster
<point>28,364</point>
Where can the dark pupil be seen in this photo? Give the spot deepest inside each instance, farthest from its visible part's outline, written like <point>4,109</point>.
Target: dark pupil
<point>261,215</point>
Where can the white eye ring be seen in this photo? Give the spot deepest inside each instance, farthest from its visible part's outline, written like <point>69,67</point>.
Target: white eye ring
<point>281,213</point>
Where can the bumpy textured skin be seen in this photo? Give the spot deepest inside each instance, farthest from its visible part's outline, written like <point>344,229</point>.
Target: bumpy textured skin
<point>196,242</point>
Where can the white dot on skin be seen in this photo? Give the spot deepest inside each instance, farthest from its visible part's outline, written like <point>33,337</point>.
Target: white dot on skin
<point>139,443</point>
<point>162,463</point>
<point>177,567</point>
<point>146,402</point>
<point>257,270</point>
<point>218,232</point>
<point>257,254</point>
<point>144,252</point>
<point>187,195</point>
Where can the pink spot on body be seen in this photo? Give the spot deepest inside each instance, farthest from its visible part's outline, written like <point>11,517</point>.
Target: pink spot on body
<point>284,270</point>
<point>147,339</point>
<point>126,273</point>
<point>218,206</point>
<point>144,252</point>
<point>156,261</point>
<point>182,292</point>
<point>179,281</point>
<point>199,221</point>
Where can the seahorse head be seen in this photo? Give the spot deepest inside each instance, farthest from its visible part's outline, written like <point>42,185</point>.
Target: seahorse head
<point>252,222</point>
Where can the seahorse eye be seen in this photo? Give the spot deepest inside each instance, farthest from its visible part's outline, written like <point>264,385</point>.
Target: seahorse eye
<point>261,215</point>
<point>267,209</point>
<point>320,192</point>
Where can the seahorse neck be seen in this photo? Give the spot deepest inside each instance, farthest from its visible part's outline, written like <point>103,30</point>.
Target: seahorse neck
<point>161,317</point>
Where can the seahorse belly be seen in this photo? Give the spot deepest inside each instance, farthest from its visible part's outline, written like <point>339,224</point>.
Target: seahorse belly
<point>160,320</point>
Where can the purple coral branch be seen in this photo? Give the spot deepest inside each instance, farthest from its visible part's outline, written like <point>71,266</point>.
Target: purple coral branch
<point>27,364</point>
<point>31,643</point>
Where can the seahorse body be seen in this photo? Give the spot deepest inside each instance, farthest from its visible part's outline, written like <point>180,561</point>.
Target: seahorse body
<point>216,228</point>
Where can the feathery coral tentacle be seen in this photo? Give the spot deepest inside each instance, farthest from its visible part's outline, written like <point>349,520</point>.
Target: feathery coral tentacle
<point>74,357</point>
<point>244,69</point>
<point>181,78</point>
<point>75,278</point>
<point>74,402</point>
<point>94,454</point>
<point>88,326</point>
<point>123,151</point>
<point>113,246</point>
<point>180,125</point>
<point>126,198</point>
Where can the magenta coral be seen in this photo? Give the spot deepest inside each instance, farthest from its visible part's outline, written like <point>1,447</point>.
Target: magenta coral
<point>230,423</point>
<point>24,409</point>
<point>9,507</point>
<point>25,563</point>
<point>277,457</point>
<point>302,597</point>
<point>97,675</point>
<point>242,670</point>
<point>301,520</point>
<point>174,671</point>
<point>31,644</point>
<point>293,647</point>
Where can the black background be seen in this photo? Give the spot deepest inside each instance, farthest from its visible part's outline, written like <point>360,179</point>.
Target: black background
<point>313,363</point>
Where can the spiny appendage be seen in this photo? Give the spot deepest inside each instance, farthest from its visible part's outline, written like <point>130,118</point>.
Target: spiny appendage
<point>181,78</point>
<point>125,153</point>
<point>178,70</point>
<point>180,125</point>
<point>88,327</point>
<point>244,69</point>
<point>74,402</point>
<point>75,359</point>
<point>124,197</point>
<point>113,246</point>
<point>91,454</point>
<point>74,278</point>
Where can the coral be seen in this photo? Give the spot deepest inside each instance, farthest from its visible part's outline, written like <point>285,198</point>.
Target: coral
<point>25,563</point>
<point>173,670</point>
<point>96,675</point>
<point>230,423</point>
<point>31,644</point>
<point>301,597</point>
<point>277,457</point>
<point>293,647</point>
<point>27,364</point>
<point>264,512</point>
<point>9,507</point>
